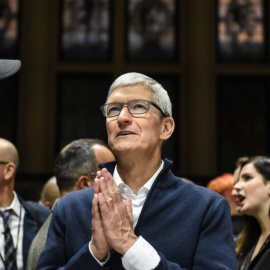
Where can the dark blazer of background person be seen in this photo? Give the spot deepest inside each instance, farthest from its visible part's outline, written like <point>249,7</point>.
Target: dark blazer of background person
<point>33,219</point>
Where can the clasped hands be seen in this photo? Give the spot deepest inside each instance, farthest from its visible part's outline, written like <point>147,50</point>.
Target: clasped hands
<point>112,223</point>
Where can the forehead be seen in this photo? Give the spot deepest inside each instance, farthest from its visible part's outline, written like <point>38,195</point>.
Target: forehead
<point>249,168</point>
<point>3,152</point>
<point>127,93</point>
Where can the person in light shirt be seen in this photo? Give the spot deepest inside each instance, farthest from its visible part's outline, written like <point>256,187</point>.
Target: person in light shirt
<point>138,215</point>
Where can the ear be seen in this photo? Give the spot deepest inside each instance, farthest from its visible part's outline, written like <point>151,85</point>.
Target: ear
<point>9,171</point>
<point>84,182</point>
<point>167,128</point>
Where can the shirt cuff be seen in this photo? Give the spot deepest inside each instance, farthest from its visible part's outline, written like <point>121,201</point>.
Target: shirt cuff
<point>141,256</point>
<point>105,260</point>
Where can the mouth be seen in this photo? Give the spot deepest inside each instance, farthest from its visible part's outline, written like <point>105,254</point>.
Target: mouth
<point>124,133</point>
<point>239,199</point>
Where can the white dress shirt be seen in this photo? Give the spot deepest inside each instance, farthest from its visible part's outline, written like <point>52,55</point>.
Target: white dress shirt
<point>141,255</point>
<point>15,223</point>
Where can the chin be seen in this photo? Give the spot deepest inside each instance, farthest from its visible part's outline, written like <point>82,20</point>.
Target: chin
<point>122,149</point>
<point>245,211</point>
<point>240,210</point>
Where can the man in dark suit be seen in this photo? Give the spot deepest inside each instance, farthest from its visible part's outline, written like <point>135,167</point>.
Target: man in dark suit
<point>139,215</point>
<point>25,218</point>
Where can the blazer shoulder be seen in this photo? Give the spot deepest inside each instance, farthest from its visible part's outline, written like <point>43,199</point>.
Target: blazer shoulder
<point>38,212</point>
<point>75,199</point>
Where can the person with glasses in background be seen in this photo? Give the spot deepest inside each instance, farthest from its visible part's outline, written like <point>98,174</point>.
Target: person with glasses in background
<point>74,169</point>
<point>19,220</point>
<point>138,215</point>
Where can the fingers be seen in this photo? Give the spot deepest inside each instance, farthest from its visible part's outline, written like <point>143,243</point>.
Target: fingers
<point>96,186</point>
<point>97,183</point>
<point>105,196</point>
<point>109,189</point>
<point>95,209</point>
<point>109,197</point>
<point>99,244</point>
<point>113,222</point>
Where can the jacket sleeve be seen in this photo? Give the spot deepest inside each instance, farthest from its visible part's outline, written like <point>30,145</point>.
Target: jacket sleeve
<point>54,253</point>
<point>215,244</point>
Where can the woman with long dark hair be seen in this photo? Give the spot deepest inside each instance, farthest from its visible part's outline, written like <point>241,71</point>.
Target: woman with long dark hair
<point>252,194</point>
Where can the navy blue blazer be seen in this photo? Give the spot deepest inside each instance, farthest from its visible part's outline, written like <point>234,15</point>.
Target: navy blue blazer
<point>30,226</point>
<point>188,225</point>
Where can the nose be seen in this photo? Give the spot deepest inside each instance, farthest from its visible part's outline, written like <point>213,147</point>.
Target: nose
<point>124,115</point>
<point>236,188</point>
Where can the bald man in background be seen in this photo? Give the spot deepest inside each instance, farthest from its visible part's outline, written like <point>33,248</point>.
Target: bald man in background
<point>75,168</point>
<point>49,193</point>
<point>25,218</point>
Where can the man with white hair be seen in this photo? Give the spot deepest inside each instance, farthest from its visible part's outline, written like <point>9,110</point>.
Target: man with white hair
<point>139,215</point>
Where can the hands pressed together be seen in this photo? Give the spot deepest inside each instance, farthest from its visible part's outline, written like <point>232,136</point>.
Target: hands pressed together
<point>112,223</point>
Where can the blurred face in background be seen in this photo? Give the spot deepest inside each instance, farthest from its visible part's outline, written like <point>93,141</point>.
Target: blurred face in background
<point>251,192</point>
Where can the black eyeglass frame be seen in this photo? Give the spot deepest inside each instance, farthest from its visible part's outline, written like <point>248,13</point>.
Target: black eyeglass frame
<point>127,104</point>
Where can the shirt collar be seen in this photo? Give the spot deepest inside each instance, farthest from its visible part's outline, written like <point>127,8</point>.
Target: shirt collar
<point>119,182</point>
<point>14,206</point>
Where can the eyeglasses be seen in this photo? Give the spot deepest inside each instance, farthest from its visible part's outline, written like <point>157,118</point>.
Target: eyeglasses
<point>137,106</point>
<point>4,162</point>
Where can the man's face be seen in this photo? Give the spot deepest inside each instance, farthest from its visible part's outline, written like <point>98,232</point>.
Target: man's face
<point>134,133</point>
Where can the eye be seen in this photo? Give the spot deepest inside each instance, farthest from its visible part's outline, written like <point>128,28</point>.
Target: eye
<point>113,109</point>
<point>138,106</point>
<point>247,177</point>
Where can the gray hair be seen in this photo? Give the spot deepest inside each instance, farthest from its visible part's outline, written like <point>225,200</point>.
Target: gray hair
<point>74,160</point>
<point>160,95</point>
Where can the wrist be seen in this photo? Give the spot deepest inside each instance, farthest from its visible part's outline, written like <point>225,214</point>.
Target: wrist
<point>126,246</point>
<point>97,253</point>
